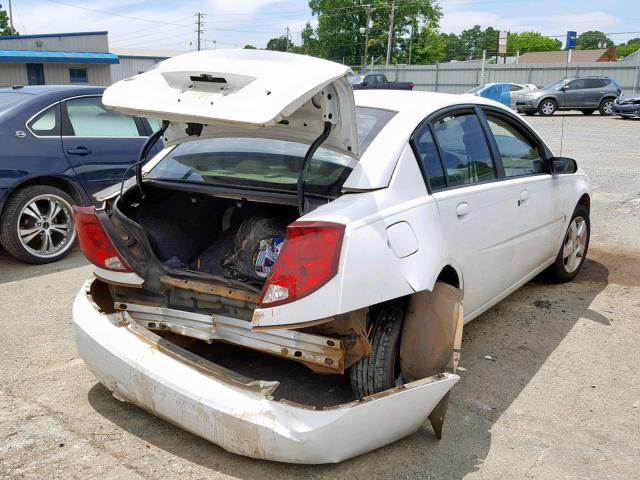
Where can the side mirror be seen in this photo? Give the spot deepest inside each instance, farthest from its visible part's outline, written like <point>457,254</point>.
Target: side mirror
<point>563,165</point>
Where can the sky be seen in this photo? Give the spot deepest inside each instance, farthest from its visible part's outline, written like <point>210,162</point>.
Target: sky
<point>170,24</point>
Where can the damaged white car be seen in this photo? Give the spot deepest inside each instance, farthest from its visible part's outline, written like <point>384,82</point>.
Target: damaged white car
<point>286,278</point>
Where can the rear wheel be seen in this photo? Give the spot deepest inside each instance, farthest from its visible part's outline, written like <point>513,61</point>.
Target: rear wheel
<point>574,247</point>
<point>37,224</point>
<point>381,369</point>
<point>606,107</point>
<point>588,111</point>
<point>547,107</point>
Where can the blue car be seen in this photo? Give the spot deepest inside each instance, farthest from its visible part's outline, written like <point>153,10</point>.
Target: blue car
<point>60,145</point>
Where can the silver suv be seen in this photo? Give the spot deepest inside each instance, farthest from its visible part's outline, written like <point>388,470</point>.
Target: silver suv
<point>586,94</point>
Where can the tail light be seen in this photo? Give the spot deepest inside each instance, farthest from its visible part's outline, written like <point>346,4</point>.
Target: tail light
<point>308,259</point>
<point>411,85</point>
<point>94,241</point>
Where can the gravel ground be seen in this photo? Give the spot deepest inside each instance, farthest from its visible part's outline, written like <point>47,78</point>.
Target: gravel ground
<point>561,398</point>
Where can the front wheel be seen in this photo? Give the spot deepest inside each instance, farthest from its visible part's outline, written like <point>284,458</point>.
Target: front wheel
<point>606,107</point>
<point>37,224</point>
<point>573,251</point>
<point>547,107</point>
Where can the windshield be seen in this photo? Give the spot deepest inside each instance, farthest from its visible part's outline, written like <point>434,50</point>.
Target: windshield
<point>266,163</point>
<point>355,79</point>
<point>8,99</point>
<point>554,85</point>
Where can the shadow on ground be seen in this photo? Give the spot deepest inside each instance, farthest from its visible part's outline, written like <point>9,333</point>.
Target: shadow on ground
<point>519,334</point>
<point>12,270</point>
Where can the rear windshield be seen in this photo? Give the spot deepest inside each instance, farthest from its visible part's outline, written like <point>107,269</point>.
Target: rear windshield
<point>265,163</point>
<point>8,99</point>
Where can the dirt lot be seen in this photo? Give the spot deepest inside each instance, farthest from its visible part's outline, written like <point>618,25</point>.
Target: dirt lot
<point>560,399</point>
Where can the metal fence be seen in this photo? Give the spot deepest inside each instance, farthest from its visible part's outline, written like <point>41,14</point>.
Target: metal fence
<point>460,77</point>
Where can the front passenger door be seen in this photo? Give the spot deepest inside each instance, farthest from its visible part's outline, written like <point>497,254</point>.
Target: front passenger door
<point>574,94</point>
<point>99,144</point>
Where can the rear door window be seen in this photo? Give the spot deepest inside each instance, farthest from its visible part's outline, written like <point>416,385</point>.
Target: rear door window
<point>464,150</point>
<point>88,117</point>
<point>430,159</point>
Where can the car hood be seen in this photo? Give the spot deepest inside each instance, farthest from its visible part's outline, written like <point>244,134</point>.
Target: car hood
<point>252,93</point>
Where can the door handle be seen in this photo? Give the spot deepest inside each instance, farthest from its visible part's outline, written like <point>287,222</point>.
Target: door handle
<point>79,151</point>
<point>524,196</point>
<point>462,209</point>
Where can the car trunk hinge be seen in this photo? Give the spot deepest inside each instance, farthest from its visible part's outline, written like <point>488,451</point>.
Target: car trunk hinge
<point>307,161</point>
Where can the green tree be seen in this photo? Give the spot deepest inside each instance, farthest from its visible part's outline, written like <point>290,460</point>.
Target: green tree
<point>338,36</point>
<point>249,47</point>
<point>531,42</point>
<point>281,44</point>
<point>592,40</point>
<point>429,47</point>
<point>5,29</point>
<point>625,49</point>
<point>474,40</point>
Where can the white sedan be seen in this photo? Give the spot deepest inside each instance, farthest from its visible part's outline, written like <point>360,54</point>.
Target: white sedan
<point>292,226</point>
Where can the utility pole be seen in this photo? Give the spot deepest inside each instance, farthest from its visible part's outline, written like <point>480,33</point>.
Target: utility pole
<point>410,43</point>
<point>367,9</point>
<point>286,41</point>
<point>390,39</point>
<point>10,19</point>
<point>200,25</point>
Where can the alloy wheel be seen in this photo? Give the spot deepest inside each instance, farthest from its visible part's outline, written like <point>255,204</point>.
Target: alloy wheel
<point>548,107</point>
<point>575,244</point>
<point>45,226</point>
<point>607,107</point>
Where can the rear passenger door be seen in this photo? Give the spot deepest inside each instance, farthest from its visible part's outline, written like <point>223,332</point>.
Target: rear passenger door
<point>99,144</point>
<point>594,90</point>
<point>478,212</point>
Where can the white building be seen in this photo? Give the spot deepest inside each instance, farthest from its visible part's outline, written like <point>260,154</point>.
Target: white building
<point>136,60</point>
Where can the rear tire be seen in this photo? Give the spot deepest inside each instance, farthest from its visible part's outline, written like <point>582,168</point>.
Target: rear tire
<point>606,107</point>
<point>37,224</point>
<point>588,111</point>
<point>573,250</point>
<point>547,107</point>
<point>381,369</point>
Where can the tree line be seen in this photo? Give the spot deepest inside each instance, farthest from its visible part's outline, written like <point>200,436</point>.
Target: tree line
<point>417,38</point>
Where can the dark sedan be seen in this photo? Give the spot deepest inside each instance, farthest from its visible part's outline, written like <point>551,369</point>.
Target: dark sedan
<point>60,145</point>
<point>627,106</point>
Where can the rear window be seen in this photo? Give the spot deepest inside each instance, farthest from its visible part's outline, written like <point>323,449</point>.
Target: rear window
<point>265,163</point>
<point>9,99</point>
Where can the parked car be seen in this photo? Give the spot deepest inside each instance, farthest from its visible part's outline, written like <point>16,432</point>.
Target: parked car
<point>59,146</point>
<point>378,82</point>
<point>627,106</point>
<point>586,94</point>
<point>506,93</point>
<point>340,230</point>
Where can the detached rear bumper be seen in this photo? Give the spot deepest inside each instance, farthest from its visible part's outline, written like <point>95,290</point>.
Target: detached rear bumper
<point>237,413</point>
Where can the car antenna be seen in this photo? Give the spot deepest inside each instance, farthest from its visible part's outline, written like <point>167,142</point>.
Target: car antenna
<point>307,161</point>
<point>148,145</point>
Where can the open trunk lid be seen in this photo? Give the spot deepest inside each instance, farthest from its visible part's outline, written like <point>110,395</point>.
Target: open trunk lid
<point>253,93</point>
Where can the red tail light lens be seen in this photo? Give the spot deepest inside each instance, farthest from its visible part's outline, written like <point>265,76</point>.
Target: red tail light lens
<point>308,259</point>
<point>94,241</point>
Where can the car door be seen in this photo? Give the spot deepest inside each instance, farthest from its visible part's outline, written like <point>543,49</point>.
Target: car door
<point>478,212</point>
<point>573,94</point>
<point>538,196</point>
<point>594,90</point>
<point>99,144</point>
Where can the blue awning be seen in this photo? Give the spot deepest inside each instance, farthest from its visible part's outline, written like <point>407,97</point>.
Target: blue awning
<point>35,56</point>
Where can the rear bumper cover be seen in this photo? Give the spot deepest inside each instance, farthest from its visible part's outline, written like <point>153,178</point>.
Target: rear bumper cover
<point>239,414</point>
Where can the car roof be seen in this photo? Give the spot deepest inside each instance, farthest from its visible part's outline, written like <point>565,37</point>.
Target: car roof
<point>42,89</point>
